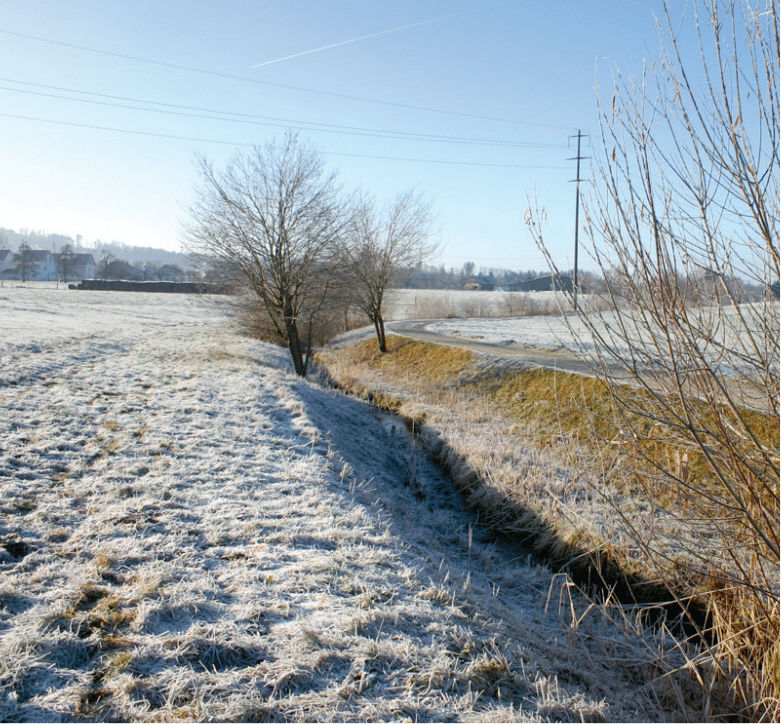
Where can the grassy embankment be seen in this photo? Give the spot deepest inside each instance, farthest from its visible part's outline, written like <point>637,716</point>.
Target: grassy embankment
<point>539,456</point>
<point>506,438</point>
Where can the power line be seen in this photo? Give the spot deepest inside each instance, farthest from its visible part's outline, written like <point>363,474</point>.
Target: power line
<point>577,181</point>
<point>123,130</point>
<point>244,79</point>
<point>238,143</point>
<point>261,120</point>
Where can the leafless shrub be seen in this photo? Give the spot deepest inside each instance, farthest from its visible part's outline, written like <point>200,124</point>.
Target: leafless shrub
<point>685,206</point>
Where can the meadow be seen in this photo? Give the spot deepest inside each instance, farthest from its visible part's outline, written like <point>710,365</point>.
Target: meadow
<point>191,532</point>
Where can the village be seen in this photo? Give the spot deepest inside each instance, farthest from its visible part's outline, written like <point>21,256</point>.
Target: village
<point>39,265</point>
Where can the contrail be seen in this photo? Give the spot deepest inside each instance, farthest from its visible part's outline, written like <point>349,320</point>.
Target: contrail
<point>381,32</point>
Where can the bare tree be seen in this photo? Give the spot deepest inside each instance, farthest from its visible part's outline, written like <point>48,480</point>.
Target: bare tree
<point>273,221</point>
<point>382,244</point>
<point>106,260</point>
<point>24,263</point>
<point>685,206</point>
<point>65,262</point>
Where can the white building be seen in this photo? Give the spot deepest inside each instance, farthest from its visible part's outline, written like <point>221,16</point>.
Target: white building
<point>42,266</point>
<point>39,266</point>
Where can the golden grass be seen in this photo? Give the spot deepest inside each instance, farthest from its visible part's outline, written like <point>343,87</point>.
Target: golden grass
<point>431,362</point>
<point>561,407</point>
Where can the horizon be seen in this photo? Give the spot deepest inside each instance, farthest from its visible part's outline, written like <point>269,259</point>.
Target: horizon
<point>478,271</point>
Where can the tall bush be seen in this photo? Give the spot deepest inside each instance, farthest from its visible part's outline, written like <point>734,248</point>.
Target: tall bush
<point>683,212</point>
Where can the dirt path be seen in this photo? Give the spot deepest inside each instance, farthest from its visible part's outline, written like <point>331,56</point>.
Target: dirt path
<point>514,355</point>
<point>418,329</point>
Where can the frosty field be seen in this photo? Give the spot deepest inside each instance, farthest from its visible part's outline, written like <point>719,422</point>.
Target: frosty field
<point>188,531</point>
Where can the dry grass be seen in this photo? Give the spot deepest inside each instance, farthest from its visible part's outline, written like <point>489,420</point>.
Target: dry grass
<point>541,456</point>
<point>508,439</point>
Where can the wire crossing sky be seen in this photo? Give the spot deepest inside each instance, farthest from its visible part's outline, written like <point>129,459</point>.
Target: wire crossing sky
<point>104,106</point>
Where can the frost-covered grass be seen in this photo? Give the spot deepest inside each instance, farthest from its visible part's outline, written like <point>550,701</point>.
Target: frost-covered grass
<point>721,327</point>
<point>451,303</point>
<point>188,531</point>
<point>537,453</point>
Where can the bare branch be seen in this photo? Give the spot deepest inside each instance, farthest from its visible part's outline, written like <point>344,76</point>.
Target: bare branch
<point>685,206</point>
<point>382,244</point>
<point>273,221</point>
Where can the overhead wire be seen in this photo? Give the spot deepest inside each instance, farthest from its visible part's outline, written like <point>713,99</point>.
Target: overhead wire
<point>262,120</point>
<point>239,144</point>
<point>258,81</point>
<point>221,115</point>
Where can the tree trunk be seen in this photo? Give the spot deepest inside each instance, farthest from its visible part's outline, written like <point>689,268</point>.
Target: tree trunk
<point>308,348</point>
<point>294,346</point>
<point>379,327</point>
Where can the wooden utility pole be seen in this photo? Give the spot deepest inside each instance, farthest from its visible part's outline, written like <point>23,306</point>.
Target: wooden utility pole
<point>576,181</point>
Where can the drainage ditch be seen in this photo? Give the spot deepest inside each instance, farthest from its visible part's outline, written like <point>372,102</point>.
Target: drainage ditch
<point>592,571</point>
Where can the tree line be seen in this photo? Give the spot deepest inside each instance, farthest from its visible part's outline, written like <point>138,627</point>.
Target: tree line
<point>133,254</point>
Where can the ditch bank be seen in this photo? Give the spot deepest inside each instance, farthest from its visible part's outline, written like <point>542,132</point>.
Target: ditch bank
<point>592,567</point>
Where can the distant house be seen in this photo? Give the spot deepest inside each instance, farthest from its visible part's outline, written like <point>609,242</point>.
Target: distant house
<point>481,283</point>
<point>546,283</point>
<point>76,266</point>
<point>32,265</point>
<point>84,266</point>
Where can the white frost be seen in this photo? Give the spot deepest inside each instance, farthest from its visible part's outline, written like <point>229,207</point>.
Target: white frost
<point>189,531</point>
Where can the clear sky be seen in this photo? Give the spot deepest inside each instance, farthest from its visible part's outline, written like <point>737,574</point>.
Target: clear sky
<point>105,104</point>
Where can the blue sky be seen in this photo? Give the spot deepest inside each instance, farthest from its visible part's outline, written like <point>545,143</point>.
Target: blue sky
<point>515,79</point>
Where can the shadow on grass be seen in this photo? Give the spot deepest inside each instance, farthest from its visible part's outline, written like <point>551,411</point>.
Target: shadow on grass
<point>594,571</point>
